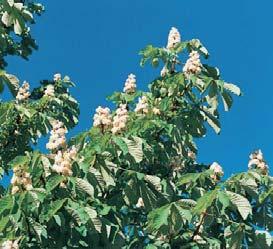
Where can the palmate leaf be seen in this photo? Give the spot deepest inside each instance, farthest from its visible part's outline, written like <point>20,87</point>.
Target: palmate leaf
<point>241,203</point>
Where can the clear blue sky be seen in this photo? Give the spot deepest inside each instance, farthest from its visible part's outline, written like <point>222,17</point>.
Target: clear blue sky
<point>96,43</point>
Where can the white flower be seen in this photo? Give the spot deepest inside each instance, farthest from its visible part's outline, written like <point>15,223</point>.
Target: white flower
<point>23,92</point>
<point>173,38</point>
<point>140,203</point>
<point>57,138</point>
<point>120,119</point>
<point>164,71</point>
<point>14,190</point>
<point>142,105</point>
<point>217,170</point>
<point>257,161</point>
<point>193,64</point>
<point>102,117</point>
<point>130,84</point>
<point>63,161</point>
<point>156,111</point>
<point>49,91</point>
<point>22,179</point>
<point>57,77</point>
<point>192,155</point>
<point>9,244</point>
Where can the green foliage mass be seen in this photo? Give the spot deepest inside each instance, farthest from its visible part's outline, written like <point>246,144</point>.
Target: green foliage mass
<point>138,188</point>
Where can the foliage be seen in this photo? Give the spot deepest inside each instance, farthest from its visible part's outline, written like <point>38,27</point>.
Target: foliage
<point>137,187</point>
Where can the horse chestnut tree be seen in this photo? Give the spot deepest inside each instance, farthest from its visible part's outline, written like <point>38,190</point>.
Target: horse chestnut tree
<point>132,180</point>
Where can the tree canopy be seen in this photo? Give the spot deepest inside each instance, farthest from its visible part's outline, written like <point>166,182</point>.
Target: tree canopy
<point>132,179</point>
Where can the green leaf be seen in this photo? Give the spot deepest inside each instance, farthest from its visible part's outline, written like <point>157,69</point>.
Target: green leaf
<point>94,218</point>
<point>263,239</point>
<point>135,148</point>
<point>5,110</point>
<point>6,203</point>
<point>232,88</point>
<point>188,178</point>
<point>3,223</point>
<point>205,201</point>
<point>241,203</point>
<point>53,182</point>
<point>53,208</point>
<point>121,144</point>
<point>158,217</point>
<point>227,100</point>
<point>85,186</point>
<point>12,82</point>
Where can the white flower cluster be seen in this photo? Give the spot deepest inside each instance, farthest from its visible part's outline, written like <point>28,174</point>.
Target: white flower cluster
<point>23,92</point>
<point>57,138</point>
<point>120,119</point>
<point>193,64</point>
<point>20,178</point>
<point>173,38</point>
<point>9,244</point>
<point>142,105</point>
<point>102,118</point>
<point>57,77</point>
<point>63,161</point>
<point>49,91</point>
<point>257,161</point>
<point>130,84</point>
<point>217,171</point>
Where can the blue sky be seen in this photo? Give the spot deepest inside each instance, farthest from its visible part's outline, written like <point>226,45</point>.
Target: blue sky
<point>96,43</point>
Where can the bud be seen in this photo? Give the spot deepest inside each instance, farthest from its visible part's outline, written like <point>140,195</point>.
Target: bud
<point>140,203</point>
<point>192,155</point>
<point>57,77</point>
